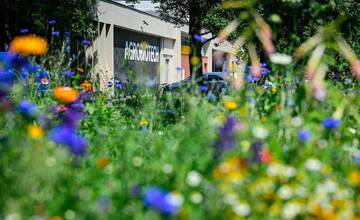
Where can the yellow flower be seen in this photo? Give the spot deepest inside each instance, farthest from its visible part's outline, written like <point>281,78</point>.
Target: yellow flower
<point>354,178</point>
<point>35,132</point>
<point>230,105</point>
<point>56,218</point>
<point>243,111</point>
<point>66,94</point>
<point>144,122</point>
<point>29,45</point>
<point>102,163</point>
<point>274,90</point>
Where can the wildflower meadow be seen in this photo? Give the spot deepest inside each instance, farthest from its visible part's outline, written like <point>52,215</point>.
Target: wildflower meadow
<point>280,142</point>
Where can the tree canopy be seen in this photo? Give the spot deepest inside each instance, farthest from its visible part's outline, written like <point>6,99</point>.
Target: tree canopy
<point>76,16</point>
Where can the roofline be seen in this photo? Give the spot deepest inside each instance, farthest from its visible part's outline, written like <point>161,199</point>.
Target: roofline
<point>131,8</point>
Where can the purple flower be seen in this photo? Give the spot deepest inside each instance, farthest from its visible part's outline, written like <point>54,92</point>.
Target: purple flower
<point>24,31</point>
<point>227,135</point>
<point>52,21</point>
<point>256,148</point>
<point>67,33</point>
<point>264,71</point>
<point>263,64</point>
<point>357,157</point>
<point>27,108</point>
<point>178,68</point>
<point>158,199</point>
<point>226,70</point>
<point>330,123</point>
<point>199,38</point>
<point>304,135</point>
<point>55,33</point>
<point>66,136</point>
<point>86,42</point>
<point>69,73</point>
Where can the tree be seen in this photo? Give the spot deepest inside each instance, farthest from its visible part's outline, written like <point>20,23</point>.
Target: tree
<point>76,16</point>
<point>202,17</point>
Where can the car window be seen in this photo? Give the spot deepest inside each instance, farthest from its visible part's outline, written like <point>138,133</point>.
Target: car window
<point>214,77</point>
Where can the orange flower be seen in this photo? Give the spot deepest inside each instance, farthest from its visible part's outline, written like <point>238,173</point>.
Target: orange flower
<point>29,45</point>
<point>102,163</point>
<point>81,70</point>
<point>86,86</point>
<point>66,94</point>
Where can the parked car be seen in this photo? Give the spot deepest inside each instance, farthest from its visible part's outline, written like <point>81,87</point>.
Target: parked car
<point>211,81</point>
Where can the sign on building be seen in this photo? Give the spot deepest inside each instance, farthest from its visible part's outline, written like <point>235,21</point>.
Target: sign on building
<point>136,56</point>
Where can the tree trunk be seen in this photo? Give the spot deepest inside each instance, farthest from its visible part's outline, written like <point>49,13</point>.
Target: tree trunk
<point>195,57</point>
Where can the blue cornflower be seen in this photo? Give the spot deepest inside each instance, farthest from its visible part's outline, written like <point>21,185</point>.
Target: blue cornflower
<point>86,42</point>
<point>178,68</point>
<point>24,31</point>
<point>67,33</point>
<point>27,108</point>
<point>330,123</point>
<point>203,88</point>
<point>55,33</point>
<point>118,84</point>
<point>158,199</point>
<point>68,137</point>
<point>226,70</point>
<point>7,78</point>
<point>69,73</point>
<point>211,96</point>
<point>52,21</point>
<point>251,100</point>
<point>199,38</point>
<point>304,135</point>
<point>263,64</point>
<point>67,49</point>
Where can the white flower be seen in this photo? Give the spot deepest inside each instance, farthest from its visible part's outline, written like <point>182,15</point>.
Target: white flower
<point>167,168</point>
<point>352,130</point>
<point>290,172</point>
<point>297,121</point>
<point>291,210</point>
<point>285,192</point>
<point>137,161</point>
<point>13,216</point>
<point>242,209</point>
<point>196,197</point>
<point>260,132</point>
<point>193,178</point>
<point>313,164</point>
<point>175,199</point>
<point>278,58</point>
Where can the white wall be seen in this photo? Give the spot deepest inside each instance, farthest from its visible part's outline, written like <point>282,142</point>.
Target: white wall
<point>119,15</point>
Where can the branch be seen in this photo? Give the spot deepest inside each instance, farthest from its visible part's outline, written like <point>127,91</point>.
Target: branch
<point>208,32</point>
<point>210,39</point>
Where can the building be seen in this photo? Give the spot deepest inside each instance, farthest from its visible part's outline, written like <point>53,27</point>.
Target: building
<point>132,43</point>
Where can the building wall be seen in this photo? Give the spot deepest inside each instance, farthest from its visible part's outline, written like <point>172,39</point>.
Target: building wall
<point>110,15</point>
